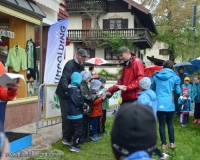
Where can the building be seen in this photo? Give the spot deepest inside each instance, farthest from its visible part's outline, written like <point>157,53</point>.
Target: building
<point>91,21</point>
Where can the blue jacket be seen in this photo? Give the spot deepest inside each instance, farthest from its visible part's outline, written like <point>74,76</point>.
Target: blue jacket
<point>164,82</point>
<point>75,100</point>
<point>196,87</point>
<point>148,97</point>
<point>190,90</point>
<point>139,155</point>
<point>185,103</point>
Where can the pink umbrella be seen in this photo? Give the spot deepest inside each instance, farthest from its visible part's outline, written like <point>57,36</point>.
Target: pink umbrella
<point>97,61</point>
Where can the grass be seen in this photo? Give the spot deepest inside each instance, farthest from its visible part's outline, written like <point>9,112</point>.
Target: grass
<point>187,141</point>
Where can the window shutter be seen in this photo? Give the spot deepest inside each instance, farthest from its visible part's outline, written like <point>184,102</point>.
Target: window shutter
<point>92,53</point>
<point>160,51</point>
<point>106,24</point>
<point>124,23</point>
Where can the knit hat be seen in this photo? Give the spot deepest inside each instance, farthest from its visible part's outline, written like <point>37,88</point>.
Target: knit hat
<point>134,129</point>
<point>95,85</point>
<point>103,80</point>
<point>186,79</point>
<point>76,79</point>
<point>145,83</point>
<point>86,75</point>
<point>184,89</point>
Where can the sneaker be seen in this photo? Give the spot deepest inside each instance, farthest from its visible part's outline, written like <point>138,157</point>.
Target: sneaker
<point>198,121</point>
<point>195,121</point>
<point>75,149</point>
<point>65,142</point>
<point>97,138</point>
<point>164,157</point>
<point>93,138</point>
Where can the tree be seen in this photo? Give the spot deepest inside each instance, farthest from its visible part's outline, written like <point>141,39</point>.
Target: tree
<point>173,20</point>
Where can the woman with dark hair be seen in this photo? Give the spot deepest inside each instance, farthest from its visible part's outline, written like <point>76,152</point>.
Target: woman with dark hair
<point>91,70</point>
<point>164,82</point>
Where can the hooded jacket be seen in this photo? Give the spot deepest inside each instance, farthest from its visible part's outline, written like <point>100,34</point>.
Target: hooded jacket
<point>148,97</point>
<point>186,102</point>
<point>164,82</point>
<point>70,67</point>
<point>139,155</point>
<point>190,89</point>
<point>196,96</point>
<point>132,72</point>
<point>75,100</point>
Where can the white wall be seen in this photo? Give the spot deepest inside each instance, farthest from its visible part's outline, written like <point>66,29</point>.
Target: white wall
<point>70,51</point>
<point>75,21</point>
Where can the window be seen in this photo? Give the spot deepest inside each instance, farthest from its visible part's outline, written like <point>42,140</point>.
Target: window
<point>163,52</point>
<point>115,24</point>
<point>110,55</point>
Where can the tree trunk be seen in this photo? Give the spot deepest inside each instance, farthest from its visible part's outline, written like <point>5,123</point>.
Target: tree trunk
<point>171,56</point>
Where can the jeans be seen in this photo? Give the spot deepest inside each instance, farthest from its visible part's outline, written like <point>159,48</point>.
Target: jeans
<point>93,121</point>
<point>85,124</point>
<point>103,121</point>
<point>197,111</point>
<point>65,121</point>
<point>163,118</point>
<point>74,131</point>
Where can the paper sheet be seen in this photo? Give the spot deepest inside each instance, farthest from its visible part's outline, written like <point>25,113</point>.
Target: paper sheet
<point>9,78</point>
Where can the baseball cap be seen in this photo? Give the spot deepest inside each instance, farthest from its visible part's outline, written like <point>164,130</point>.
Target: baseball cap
<point>134,129</point>
<point>82,52</point>
<point>186,79</point>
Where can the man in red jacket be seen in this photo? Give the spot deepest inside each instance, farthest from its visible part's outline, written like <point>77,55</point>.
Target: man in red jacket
<point>133,71</point>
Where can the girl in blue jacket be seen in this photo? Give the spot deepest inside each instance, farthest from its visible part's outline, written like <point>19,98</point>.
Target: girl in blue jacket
<point>185,104</point>
<point>196,87</point>
<point>164,82</point>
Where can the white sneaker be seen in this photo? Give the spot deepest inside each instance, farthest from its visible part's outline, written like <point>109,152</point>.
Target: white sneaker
<point>164,157</point>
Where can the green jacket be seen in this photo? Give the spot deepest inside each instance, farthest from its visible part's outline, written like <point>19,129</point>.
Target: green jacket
<point>105,103</point>
<point>88,96</point>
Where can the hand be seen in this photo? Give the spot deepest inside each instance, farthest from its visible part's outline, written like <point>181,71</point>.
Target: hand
<point>104,97</point>
<point>107,92</point>
<point>124,88</point>
<point>14,86</point>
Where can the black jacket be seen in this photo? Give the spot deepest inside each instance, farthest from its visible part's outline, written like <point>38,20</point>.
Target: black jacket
<point>75,101</point>
<point>88,96</point>
<point>70,67</point>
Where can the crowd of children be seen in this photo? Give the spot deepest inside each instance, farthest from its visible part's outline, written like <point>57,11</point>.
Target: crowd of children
<point>87,105</point>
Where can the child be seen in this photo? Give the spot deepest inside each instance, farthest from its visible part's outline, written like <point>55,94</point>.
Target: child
<point>196,87</point>
<point>185,103</point>
<point>105,105</point>
<point>75,109</point>
<point>148,97</point>
<point>97,110</point>
<point>88,98</point>
<point>190,93</point>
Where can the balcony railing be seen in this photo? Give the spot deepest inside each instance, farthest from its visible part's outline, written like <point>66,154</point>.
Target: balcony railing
<point>86,6</point>
<point>139,35</point>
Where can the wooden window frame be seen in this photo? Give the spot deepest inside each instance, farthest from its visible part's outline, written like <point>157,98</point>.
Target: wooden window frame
<point>112,52</point>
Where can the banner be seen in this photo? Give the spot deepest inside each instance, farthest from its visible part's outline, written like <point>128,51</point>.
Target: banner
<point>55,51</point>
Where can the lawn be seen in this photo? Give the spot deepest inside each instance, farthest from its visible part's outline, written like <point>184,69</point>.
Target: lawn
<point>187,141</point>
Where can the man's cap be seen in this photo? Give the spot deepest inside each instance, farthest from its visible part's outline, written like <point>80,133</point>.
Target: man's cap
<point>186,79</point>
<point>134,129</point>
<point>122,50</point>
<point>82,52</point>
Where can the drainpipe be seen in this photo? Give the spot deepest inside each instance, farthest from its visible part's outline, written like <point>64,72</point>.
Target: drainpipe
<point>41,53</point>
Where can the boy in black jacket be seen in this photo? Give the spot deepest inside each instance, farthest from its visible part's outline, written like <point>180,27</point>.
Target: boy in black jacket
<point>76,106</point>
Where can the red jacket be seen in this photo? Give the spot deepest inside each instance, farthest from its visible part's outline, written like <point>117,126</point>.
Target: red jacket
<point>97,107</point>
<point>5,94</point>
<point>131,75</point>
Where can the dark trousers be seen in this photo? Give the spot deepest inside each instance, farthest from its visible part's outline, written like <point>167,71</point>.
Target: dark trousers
<point>103,121</point>
<point>75,131</point>
<point>129,100</point>
<point>65,121</point>
<point>185,118</point>
<point>85,124</point>
<point>163,118</point>
<point>197,111</point>
<point>93,122</point>
<point>158,152</point>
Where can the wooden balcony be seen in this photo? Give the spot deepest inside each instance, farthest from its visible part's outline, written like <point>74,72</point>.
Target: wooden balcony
<point>141,36</point>
<point>86,6</point>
